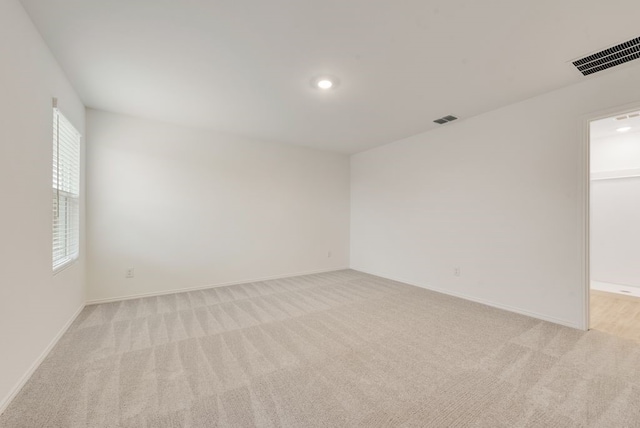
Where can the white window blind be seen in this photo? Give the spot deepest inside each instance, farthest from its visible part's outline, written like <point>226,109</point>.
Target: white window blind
<point>66,191</point>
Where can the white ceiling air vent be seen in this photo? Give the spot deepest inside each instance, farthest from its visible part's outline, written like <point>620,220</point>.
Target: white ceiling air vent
<point>628,116</point>
<point>445,119</point>
<point>599,61</point>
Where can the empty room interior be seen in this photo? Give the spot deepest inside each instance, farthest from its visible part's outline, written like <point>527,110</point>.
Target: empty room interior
<point>320,214</point>
<point>615,232</point>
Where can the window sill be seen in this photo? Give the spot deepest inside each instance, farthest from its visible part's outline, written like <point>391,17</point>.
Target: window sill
<point>65,266</point>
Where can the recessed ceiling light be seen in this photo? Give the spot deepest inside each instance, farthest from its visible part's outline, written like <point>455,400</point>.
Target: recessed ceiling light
<point>623,129</point>
<point>325,84</point>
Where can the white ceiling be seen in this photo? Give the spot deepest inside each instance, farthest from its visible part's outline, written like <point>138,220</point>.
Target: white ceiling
<point>609,127</point>
<point>245,66</point>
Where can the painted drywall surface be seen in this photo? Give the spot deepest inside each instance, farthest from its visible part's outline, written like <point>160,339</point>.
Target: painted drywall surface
<point>34,304</point>
<point>190,208</point>
<point>500,195</point>
<point>615,211</point>
<point>615,153</point>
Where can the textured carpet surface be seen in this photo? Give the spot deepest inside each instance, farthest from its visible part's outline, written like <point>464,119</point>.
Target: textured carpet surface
<point>340,349</point>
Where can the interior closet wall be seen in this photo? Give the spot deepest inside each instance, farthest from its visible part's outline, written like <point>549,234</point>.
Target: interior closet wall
<point>615,209</point>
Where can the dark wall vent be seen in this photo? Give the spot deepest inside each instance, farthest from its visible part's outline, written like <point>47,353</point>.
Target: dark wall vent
<point>445,119</point>
<point>619,54</point>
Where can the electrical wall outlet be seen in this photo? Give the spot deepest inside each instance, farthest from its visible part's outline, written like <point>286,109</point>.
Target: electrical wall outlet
<point>329,255</point>
<point>130,273</point>
<point>457,271</point>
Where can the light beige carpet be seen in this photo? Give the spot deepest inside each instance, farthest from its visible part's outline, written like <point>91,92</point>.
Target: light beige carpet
<point>340,349</point>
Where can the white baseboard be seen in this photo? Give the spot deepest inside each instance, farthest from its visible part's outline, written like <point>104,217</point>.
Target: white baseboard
<point>476,299</point>
<point>16,389</point>
<point>204,287</point>
<point>623,289</point>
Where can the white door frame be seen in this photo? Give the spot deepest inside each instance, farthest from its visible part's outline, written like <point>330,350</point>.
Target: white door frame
<point>585,181</point>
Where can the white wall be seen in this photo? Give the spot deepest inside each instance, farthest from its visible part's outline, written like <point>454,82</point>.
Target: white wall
<point>615,153</point>
<point>34,304</point>
<point>615,211</point>
<point>500,195</point>
<point>191,208</point>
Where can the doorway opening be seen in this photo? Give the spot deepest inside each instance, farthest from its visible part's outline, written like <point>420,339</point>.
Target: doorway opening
<point>614,224</point>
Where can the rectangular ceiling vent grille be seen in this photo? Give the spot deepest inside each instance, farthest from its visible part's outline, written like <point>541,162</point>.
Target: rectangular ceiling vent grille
<point>628,116</point>
<point>445,119</point>
<point>619,54</point>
